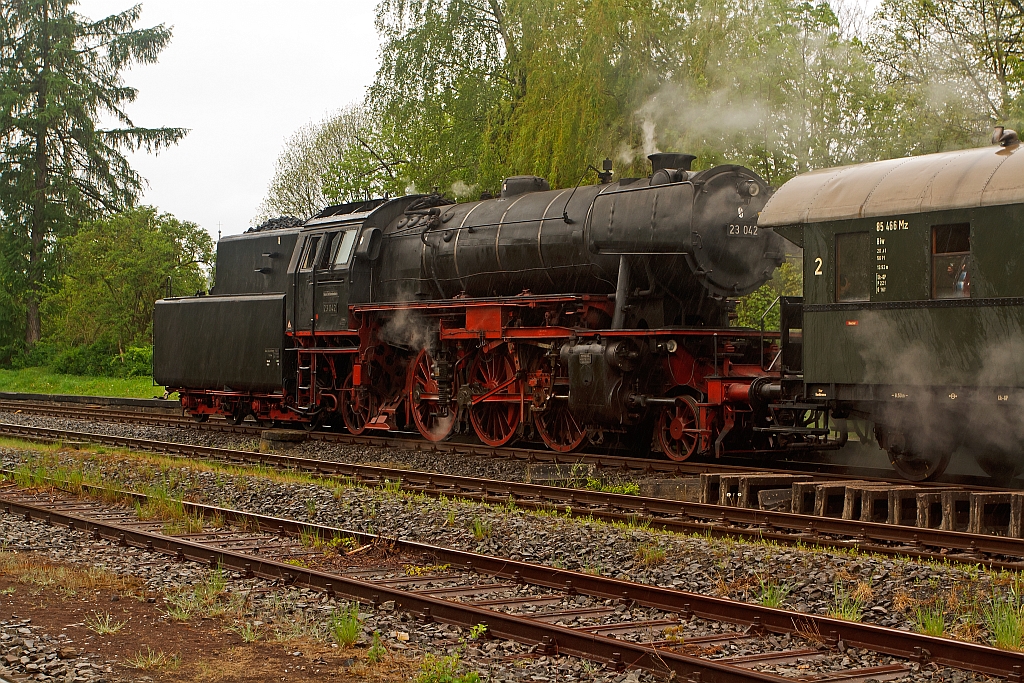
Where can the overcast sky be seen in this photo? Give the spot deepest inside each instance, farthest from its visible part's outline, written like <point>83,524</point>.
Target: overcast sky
<point>243,76</point>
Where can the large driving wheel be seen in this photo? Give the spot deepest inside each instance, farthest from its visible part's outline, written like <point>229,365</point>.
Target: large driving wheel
<point>433,420</point>
<point>357,406</point>
<point>910,462</point>
<point>497,407</point>
<point>558,429</point>
<point>678,429</point>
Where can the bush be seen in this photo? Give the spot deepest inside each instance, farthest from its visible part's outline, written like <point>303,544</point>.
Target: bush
<point>101,359</point>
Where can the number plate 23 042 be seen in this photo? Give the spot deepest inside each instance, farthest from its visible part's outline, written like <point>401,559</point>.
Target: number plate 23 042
<point>742,231</point>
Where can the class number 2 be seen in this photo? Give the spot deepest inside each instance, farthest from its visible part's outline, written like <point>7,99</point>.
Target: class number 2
<point>817,266</point>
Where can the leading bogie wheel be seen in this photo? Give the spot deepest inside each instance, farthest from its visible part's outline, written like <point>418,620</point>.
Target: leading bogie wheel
<point>357,406</point>
<point>433,421</point>
<point>678,429</point>
<point>494,376</point>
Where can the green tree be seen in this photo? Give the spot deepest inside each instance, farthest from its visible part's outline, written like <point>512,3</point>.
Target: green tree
<point>338,160</point>
<point>948,71</point>
<point>117,268</point>
<point>60,74</point>
<point>786,281</point>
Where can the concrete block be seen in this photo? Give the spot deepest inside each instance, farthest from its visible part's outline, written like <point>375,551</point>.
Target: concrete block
<point>995,513</point>
<point>674,489</point>
<point>751,484</point>
<point>554,473</point>
<point>903,505</point>
<point>956,510</point>
<point>710,487</point>
<point>930,509</point>
<point>775,499</point>
<point>867,502</point>
<point>830,497</point>
<point>803,497</point>
<point>272,440</point>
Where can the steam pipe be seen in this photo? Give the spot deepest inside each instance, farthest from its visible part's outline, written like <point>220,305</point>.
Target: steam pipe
<point>621,294</point>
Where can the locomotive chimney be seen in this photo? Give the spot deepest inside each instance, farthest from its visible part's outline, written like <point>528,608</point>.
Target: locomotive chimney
<point>680,162</point>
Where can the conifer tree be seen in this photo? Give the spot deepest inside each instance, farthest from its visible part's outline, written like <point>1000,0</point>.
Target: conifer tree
<point>60,77</point>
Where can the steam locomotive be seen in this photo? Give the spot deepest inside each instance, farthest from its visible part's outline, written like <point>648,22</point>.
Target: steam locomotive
<point>601,314</point>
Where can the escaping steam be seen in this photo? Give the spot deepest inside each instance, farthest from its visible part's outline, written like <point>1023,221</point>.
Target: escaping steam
<point>461,190</point>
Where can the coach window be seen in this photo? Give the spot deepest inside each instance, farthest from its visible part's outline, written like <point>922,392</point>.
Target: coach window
<point>951,261</point>
<point>309,254</point>
<point>854,269</point>
<point>344,248</point>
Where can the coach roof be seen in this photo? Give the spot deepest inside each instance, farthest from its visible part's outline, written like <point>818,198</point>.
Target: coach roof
<point>968,178</point>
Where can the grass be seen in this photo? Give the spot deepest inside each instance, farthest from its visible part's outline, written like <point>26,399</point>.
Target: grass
<point>481,528</point>
<point>930,619</point>
<point>650,554</point>
<point>42,381</point>
<point>444,670</point>
<point>66,580</point>
<point>377,651</point>
<point>148,660</point>
<point>346,626</point>
<point>204,599</point>
<point>103,624</point>
<point>847,605</point>
<point>248,632</point>
<point>1004,618</point>
<point>771,593</point>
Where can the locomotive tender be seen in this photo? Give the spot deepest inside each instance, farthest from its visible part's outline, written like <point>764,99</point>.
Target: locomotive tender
<point>599,313</point>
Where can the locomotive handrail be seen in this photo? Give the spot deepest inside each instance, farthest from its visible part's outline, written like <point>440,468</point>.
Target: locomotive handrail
<point>763,315</point>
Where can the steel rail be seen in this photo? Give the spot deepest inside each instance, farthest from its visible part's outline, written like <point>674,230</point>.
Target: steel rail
<point>672,515</point>
<point>560,639</point>
<point>915,646</point>
<point>831,472</point>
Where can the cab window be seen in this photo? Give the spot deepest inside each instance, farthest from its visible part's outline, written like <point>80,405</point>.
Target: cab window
<point>343,248</point>
<point>325,251</point>
<point>854,268</point>
<point>309,252</point>
<point>951,261</point>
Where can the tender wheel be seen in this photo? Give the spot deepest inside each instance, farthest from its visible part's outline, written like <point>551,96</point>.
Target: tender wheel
<point>200,417</point>
<point>679,429</point>
<point>913,464</point>
<point>558,429</point>
<point>357,407</point>
<point>423,401</point>
<point>237,416</point>
<point>496,418</point>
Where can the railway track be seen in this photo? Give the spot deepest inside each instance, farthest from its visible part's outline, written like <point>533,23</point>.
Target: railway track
<point>616,623</point>
<point>601,461</point>
<point>679,516</point>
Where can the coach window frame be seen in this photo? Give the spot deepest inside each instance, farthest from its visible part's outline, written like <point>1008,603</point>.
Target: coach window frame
<point>957,232</point>
<point>840,267</point>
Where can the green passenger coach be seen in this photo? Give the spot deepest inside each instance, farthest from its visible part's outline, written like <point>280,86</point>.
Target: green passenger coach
<point>913,309</point>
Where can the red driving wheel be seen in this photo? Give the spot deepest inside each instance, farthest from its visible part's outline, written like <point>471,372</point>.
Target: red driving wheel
<point>433,421</point>
<point>494,376</point>
<point>679,429</point>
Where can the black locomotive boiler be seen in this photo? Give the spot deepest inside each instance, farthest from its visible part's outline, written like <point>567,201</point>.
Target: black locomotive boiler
<point>566,316</point>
